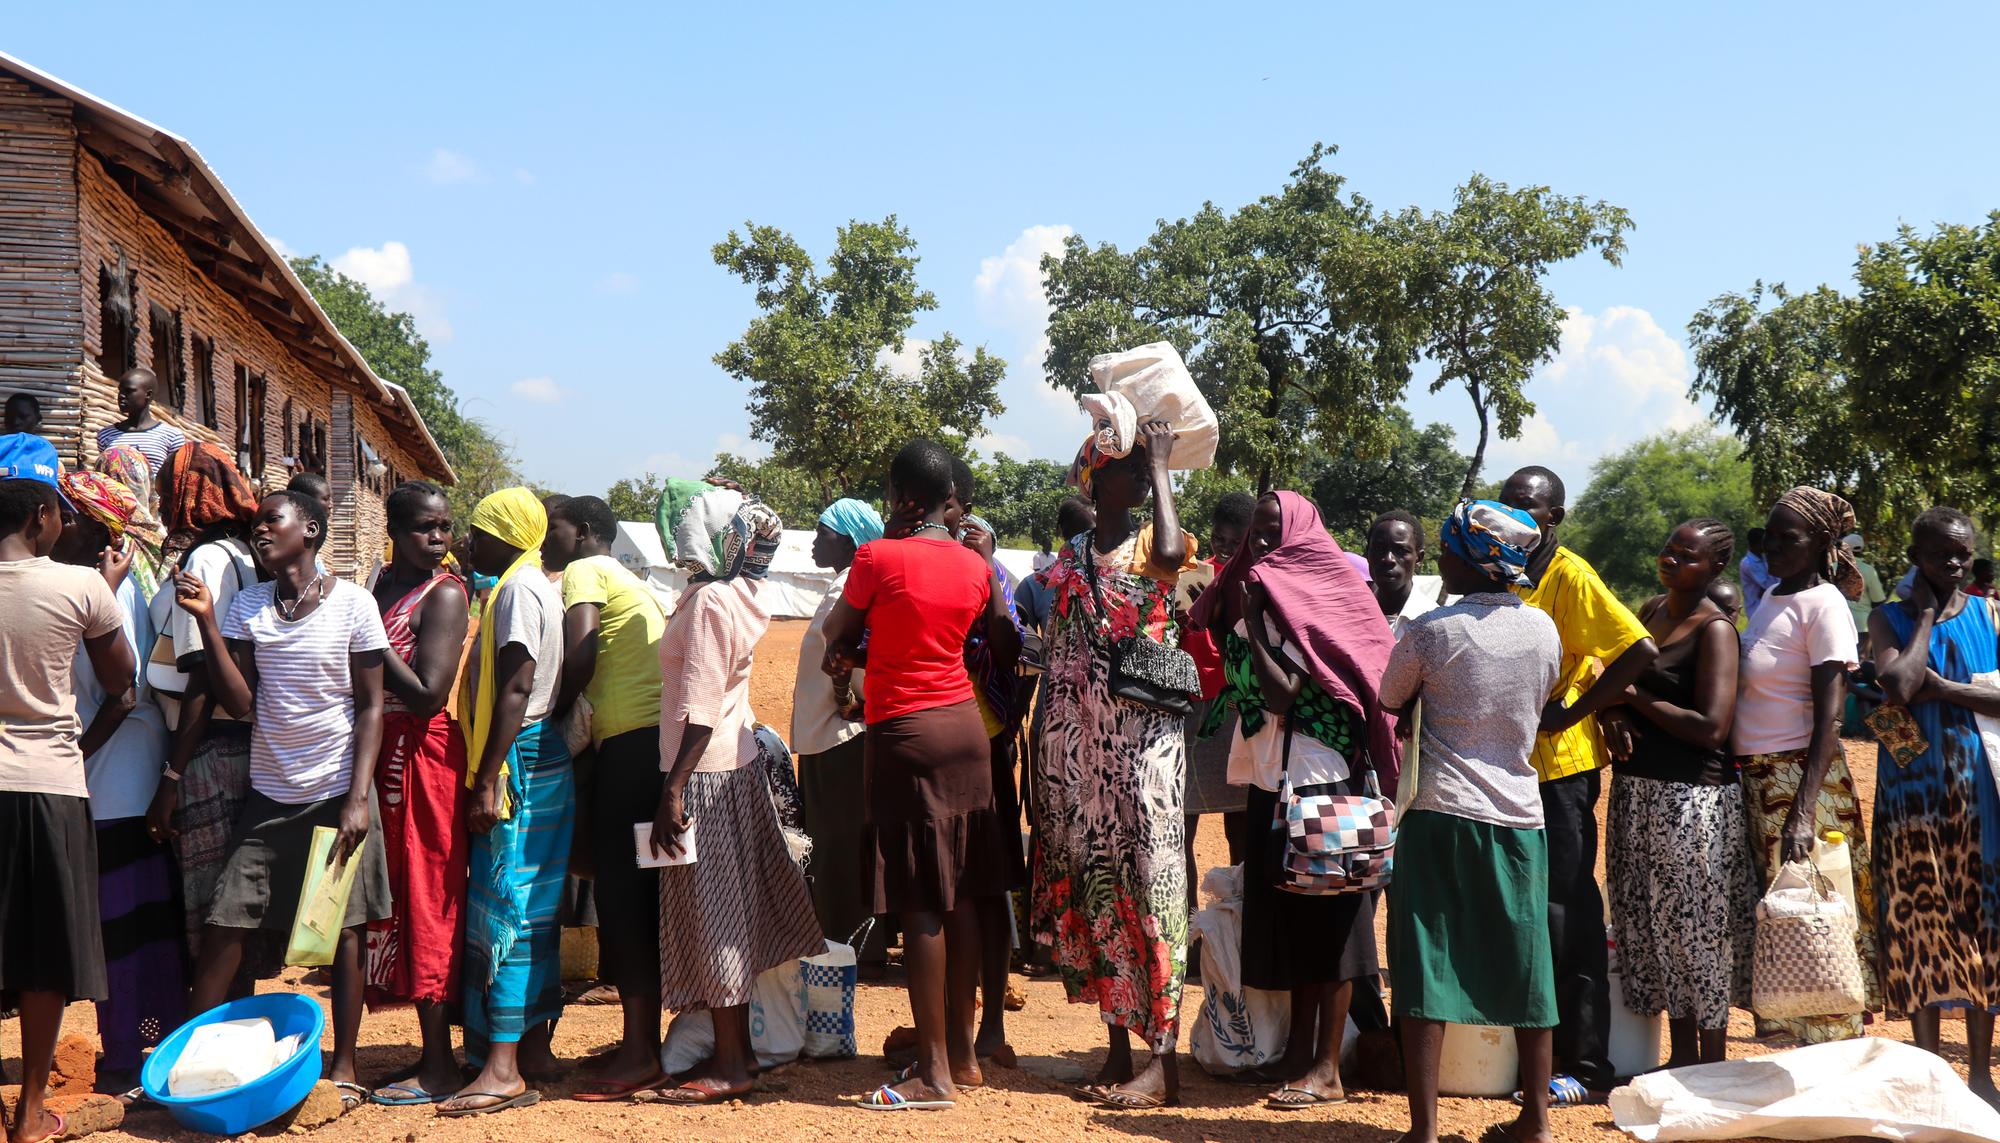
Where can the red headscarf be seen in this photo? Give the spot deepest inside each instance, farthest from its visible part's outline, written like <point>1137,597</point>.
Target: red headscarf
<point>1326,613</point>
<point>206,490</point>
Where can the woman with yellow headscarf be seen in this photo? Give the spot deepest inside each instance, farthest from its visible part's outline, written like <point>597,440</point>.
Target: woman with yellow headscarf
<point>523,803</point>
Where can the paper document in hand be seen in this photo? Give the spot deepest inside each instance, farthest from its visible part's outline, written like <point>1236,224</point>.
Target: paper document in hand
<point>650,858</point>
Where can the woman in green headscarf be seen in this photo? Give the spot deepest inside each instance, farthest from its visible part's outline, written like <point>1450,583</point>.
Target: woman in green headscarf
<point>523,808</point>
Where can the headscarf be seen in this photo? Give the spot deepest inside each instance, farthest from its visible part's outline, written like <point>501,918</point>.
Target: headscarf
<point>1492,537</point>
<point>1114,433</point>
<point>513,516</point>
<point>1360,563</point>
<point>855,519</point>
<point>207,490</point>
<point>1326,613</point>
<point>1823,510</point>
<point>129,466</point>
<point>718,533</point>
<point>102,499</point>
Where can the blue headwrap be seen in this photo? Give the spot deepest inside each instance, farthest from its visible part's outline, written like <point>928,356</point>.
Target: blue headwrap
<point>854,519</point>
<point>1492,537</point>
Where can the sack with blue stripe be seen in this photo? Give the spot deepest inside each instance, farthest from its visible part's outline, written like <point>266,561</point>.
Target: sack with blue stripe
<point>827,983</point>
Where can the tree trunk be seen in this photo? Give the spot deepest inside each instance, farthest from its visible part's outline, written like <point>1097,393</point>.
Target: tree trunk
<point>1276,365</point>
<point>1478,454</point>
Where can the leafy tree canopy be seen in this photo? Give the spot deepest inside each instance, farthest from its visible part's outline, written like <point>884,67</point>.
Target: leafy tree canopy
<point>1419,471</point>
<point>1019,498</point>
<point>825,392</point>
<point>393,348</point>
<point>1638,495</point>
<point>636,497</point>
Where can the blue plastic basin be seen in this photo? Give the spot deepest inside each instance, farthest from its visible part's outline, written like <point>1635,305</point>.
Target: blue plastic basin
<point>261,1100</point>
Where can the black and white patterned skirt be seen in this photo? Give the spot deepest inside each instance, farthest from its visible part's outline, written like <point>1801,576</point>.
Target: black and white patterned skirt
<point>1683,898</point>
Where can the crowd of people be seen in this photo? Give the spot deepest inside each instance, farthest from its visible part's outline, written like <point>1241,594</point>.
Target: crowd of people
<point>188,696</point>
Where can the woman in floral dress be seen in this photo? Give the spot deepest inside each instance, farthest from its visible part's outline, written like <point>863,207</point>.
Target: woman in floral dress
<point>1110,881</point>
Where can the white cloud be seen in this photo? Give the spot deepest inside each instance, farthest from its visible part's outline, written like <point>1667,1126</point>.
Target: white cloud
<point>524,176</point>
<point>284,251</point>
<point>1041,420</point>
<point>538,390</point>
<point>618,282</point>
<point>390,274</point>
<point>383,269</point>
<point>1617,377</point>
<point>448,166</point>
<point>750,450</point>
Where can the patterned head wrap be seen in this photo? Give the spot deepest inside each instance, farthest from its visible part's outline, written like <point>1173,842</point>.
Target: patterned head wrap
<point>717,533</point>
<point>855,519</point>
<point>515,517</point>
<point>1823,511</point>
<point>207,490</point>
<point>129,467</point>
<point>102,499</point>
<point>1492,537</point>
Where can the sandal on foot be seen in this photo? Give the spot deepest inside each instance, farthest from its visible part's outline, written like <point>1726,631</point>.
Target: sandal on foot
<point>886,1098</point>
<point>61,1128</point>
<point>406,1093</point>
<point>694,1093</point>
<point>1133,1100</point>
<point>612,1091</point>
<point>352,1095</point>
<point>528,1098</point>
<point>1564,1091</point>
<point>1289,1098</point>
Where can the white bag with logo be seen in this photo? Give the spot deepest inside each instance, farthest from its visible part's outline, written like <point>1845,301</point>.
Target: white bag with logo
<point>1237,1028</point>
<point>1157,384</point>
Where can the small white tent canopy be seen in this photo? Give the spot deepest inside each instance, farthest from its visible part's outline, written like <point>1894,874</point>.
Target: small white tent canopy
<point>794,588</point>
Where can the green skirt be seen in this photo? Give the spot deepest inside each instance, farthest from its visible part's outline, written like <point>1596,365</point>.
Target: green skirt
<point>1469,924</point>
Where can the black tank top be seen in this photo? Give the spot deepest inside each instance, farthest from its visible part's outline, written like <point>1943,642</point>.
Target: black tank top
<point>1659,755</point>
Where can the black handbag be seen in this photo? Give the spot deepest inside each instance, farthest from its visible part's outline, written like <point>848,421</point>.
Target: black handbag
<point>1146,673</point>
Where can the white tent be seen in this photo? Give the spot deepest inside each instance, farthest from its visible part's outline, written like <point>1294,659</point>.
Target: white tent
<point>795,587</point>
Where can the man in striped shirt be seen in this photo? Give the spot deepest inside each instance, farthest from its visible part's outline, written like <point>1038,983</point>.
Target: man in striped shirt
<point>140,429</point>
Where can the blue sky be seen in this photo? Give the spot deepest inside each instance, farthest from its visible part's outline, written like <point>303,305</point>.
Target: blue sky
<point>540,184</point>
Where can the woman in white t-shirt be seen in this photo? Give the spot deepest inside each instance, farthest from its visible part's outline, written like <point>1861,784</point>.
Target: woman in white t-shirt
<point>1790,692</point>
<point>305,654</point>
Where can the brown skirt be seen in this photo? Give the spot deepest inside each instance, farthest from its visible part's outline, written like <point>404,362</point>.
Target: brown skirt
<point>933,835</point>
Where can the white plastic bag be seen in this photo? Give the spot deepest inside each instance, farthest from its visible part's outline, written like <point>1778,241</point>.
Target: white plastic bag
<point>1869,1086</point>
<point>223,1055</point>
<point>1157,383</point>
<point>1237,1028</point>
<point>777,1025</point>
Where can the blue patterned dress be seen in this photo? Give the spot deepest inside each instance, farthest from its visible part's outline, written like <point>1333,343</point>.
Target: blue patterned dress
<point>1937,837</point>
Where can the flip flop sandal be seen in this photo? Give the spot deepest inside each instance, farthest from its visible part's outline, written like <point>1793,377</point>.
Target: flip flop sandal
<point>694,1094</point>
<point>62,1127</point>
<point>1131,1101</point>
<point>352,1095</point>
<point>607,1091</point>
<point>406,1093</point>
<point>1289,1098</point>
<point>886,1098</point>
<point>1564,1091</point>
<point>1089,1092</point>
<point>528,1098</point>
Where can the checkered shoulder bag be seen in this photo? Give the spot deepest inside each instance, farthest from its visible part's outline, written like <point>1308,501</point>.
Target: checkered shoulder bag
<point>1334,842</point>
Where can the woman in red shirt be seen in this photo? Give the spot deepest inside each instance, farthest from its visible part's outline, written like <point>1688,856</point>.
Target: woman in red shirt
<point>933,842</point>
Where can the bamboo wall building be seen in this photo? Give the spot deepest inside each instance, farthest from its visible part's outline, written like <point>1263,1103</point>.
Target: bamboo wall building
<point>119,247</point>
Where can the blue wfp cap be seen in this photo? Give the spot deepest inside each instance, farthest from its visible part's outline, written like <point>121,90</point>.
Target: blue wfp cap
<point>25,456</point>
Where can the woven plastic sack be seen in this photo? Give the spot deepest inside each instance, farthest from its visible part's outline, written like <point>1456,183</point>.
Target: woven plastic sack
<point>1237,1028</point>
<point>1156,382</point>
<point>777,1026</point>
<point>1805,963</point>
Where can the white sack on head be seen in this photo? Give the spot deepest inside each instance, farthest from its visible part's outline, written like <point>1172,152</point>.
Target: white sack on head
<point>1157,384</point>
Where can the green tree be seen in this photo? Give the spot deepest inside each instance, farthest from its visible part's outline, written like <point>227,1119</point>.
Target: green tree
<point>1291,314</point>
<point>1418,471</point>
<point>790,491</point>
<point>1197,493</point>
<point>824,391</point>
<point>1922,340</point>
<point>1489,320</point>
<point>636,497</point>
<point>393,348</point>
<point>1638,494</point>
<point>1020,497</point>
<point>1774,363</point>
